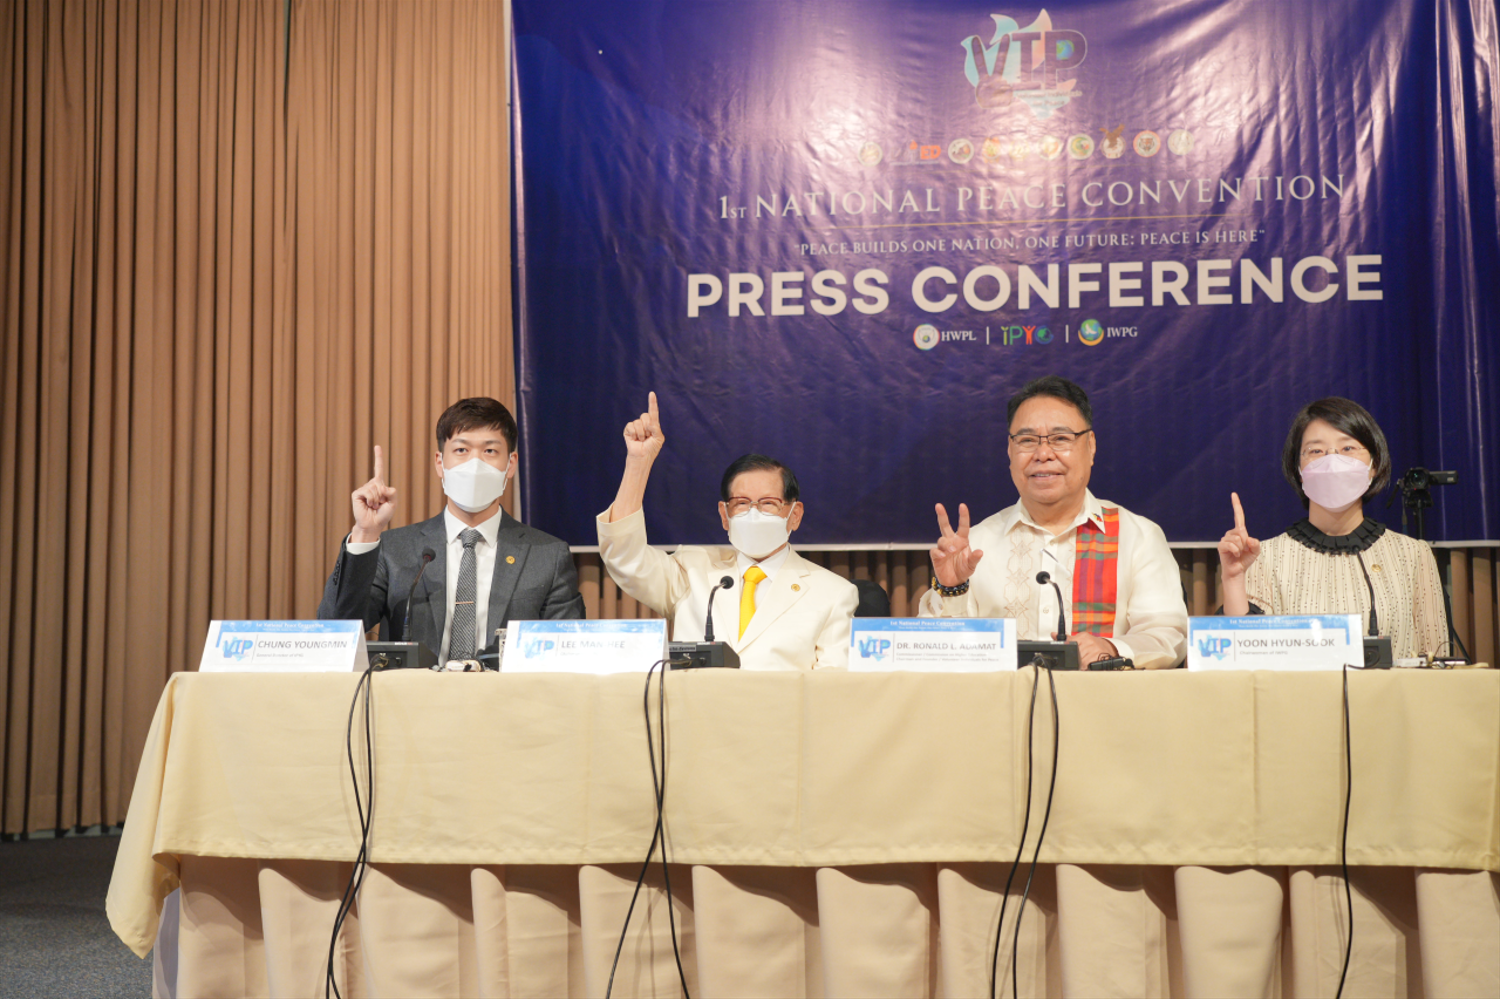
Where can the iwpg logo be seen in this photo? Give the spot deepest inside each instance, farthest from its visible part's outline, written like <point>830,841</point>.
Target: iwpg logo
<point>1024,64</point>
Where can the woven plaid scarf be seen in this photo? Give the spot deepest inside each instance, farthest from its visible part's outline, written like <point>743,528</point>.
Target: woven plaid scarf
<point>1094,562</point>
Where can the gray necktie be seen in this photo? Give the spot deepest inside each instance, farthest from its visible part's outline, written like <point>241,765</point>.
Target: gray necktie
<point>461,638</point>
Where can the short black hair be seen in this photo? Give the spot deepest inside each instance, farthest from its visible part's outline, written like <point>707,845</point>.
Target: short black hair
<point>759,463</point>
<point>473,414</point>
<point>1058,388</point>
<point>1347,417</point>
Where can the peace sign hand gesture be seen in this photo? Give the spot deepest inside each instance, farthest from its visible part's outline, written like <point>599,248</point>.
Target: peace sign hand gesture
<point>643,437</point>
<point>1237,549</point>
<point>953,561</point>
<point>374,503</point>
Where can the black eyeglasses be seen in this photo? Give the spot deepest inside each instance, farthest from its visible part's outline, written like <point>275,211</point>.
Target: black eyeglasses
<point>1061,441</point>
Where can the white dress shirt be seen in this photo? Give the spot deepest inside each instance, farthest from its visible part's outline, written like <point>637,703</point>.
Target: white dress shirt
<point>484,564</point>
<point>1150,614</point>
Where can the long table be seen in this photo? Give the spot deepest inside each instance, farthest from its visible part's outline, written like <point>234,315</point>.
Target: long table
<point>830,833</point>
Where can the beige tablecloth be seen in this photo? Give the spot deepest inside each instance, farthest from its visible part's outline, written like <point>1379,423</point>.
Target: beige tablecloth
<point>836,833</point>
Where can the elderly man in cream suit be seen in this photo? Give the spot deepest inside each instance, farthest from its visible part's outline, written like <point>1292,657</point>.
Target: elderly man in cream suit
<point>780,611</point>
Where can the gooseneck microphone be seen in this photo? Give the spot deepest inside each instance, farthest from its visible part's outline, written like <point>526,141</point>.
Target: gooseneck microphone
<point>725,583</point>
<point>427,556</point>
<point>1044,577</point>
<point>1374,619</point>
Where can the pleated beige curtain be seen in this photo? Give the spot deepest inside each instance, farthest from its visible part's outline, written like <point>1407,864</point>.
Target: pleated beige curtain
<point>240,243</point>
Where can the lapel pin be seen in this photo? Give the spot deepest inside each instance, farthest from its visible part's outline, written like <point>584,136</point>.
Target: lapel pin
<point>510,559</point>
<point>1374,568</point>
<point>796,587</point>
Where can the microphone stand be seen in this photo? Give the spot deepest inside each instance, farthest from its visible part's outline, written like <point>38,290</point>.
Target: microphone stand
<point>1061,654</point>
<point>1378,654</point>
<point>707,653</point>
<point>406,654</point>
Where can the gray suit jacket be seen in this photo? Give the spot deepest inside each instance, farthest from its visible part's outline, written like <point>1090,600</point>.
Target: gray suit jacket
<point>540,583</point>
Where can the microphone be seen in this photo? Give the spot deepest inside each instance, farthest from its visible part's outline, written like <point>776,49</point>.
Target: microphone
<point>725,583</point>
<point>1044,577</point>
<point>427,556</point>
<point>1374,619</point>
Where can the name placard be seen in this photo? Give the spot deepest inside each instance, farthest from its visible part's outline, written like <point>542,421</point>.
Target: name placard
<point>284,647</point>
<point>583,646</point>
<point>1324,641</point>
<point>933,644</point>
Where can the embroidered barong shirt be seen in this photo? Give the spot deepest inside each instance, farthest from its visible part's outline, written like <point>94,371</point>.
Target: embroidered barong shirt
<point>1150,616</point>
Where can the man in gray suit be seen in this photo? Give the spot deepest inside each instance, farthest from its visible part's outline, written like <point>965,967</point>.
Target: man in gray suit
<point>487,568</point>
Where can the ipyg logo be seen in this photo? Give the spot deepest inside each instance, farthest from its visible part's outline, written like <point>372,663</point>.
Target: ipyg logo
<point>1025,334</point>
<point>537,646</point>
<point>1023,64</point>
<point>1090,332</point>
<point>236,648</point>
<point>874,648</point>
<point>926,336</point>
<point>1214,647</point>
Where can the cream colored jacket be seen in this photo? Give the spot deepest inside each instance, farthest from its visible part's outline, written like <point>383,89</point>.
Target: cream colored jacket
<point>801,617</point>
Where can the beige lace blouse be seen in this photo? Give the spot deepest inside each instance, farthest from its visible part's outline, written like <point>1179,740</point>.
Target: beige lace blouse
<point>1305,572</point>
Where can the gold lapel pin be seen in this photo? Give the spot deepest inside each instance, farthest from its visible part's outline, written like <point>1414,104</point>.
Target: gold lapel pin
<point>1374,568</point>
<point>511,559</point>
<point>795,587</point>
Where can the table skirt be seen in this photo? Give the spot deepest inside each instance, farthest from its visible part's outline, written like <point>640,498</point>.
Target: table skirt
<point>247,927</point>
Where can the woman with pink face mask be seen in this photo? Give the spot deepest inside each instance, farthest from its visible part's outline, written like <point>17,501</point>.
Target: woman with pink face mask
<point>1336,458</point>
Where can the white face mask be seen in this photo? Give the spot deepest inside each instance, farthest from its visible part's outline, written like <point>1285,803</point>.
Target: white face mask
<point>1336,481</point>
<point>474,485</point>
<point>757,534</point>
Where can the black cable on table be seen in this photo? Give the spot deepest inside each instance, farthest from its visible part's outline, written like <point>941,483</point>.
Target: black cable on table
<point>659,790</point>
<point>1015,948</point>
<point>1020,846</point>
<point>1344,839</point>
<point>366,819</point>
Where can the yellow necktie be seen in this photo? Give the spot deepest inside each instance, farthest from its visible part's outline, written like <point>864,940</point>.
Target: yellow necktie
<point>753,576</point>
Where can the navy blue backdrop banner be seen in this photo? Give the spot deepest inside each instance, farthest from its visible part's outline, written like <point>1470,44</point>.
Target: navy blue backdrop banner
<point>843,233</point>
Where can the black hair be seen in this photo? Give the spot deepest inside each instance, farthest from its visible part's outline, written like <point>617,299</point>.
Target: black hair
<point>474,414</point>
<point>1056,387</point>
<point>759,463</point>
<point>1347,417</point>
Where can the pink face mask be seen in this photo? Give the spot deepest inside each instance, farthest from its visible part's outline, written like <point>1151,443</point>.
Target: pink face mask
<point>1335,481</point>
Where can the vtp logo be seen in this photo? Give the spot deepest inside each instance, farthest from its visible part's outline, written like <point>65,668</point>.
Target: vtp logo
<point>926,336</point>
<point>236,648</point>
<point>1214,647</point>
<point>1024,64</point>
<point>537,647</point>
<point>1025,335</point>
<point>874,648</point>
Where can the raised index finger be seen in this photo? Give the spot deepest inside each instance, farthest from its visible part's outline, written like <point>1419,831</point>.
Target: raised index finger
<point>653,417</point>
<point>379,465</point>
<point>1239,512</point>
